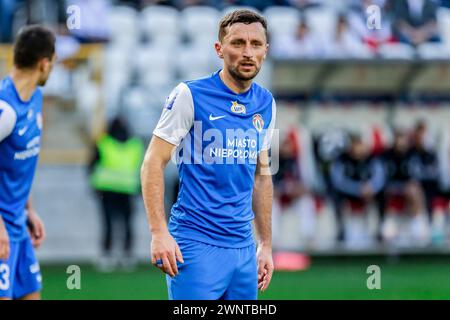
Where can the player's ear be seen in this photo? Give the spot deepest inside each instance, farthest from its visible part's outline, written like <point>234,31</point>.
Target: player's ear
<point>43,64</point>
<point>218,48</point>
<point>267,50</point>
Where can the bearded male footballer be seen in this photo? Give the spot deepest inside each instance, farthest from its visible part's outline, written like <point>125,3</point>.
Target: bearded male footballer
<point>220,130</point>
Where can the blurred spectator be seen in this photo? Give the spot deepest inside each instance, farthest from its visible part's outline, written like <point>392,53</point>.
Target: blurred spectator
<point>301,44</point>
<point>114,174</point>
<point>16,13</point>
<point>181,4</point>
<point>415,21</point>
<point>424,164</point>
<point>304,4</point>
<point>425,169</point>
<point>94,15</point>
<point>402,192</point>
<point>372,37</point>
<point>358,179</point>
<point>261,5</point>
<point>7,10</point>
<point>290,192</point>
<point>345,43</point>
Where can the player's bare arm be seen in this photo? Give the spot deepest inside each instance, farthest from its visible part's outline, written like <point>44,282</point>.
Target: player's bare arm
<point>163,246</point>
<point>262,207</point>
<point>4,241</point>
<point>35,225</point>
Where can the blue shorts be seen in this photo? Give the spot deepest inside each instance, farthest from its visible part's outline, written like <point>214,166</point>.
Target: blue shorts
<point>20,274</point>
<point>212,273</point>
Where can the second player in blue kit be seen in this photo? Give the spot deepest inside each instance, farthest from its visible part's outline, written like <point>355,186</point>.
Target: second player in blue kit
<point>21,123</point>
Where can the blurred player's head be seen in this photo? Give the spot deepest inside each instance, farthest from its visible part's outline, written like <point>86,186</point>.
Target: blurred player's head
<point>34,50</point>
<point>358,149</point>
<point>419,133</point>
<point>401,142</point>
<point>242,43</point>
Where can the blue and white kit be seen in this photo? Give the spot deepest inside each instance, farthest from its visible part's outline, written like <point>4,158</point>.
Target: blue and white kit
<point>20,134</point>
<point>219,135</point>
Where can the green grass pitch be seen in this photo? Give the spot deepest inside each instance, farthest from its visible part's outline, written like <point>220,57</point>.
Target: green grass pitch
<point>326,278</point>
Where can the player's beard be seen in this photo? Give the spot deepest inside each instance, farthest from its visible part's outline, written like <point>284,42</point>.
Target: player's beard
<point>236,74</point>
<point>42,81</point>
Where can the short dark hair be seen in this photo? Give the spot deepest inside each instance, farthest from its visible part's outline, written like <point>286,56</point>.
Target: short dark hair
<point>240,16</point>
<point>32,44</point>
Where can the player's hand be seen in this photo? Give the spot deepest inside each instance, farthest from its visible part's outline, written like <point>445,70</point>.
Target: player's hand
<point>4,241</point>
<point>367,192</point>
<point>265,266</point>
<point>36,228</point>
<point>166,250</point>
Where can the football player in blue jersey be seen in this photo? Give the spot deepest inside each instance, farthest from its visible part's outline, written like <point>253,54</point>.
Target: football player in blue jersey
<point>21,229</point>
<point>220,130</point>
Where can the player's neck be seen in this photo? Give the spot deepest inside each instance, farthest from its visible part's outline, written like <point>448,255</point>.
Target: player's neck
<point>234,85</point>
<point>25,82</point>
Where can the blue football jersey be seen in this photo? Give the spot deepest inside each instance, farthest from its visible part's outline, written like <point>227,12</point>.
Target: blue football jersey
<point>219,135</point>
<point>21,123</point>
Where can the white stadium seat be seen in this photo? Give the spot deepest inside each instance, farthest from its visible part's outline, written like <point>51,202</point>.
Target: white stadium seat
<point>282,20</point>
<point>194,62</point>
<point>161,25</point>
<point>322,21</point>
<point>200,23</point>
<point>155,66</point>
<point>443,20</point>
<point>433,51</point>
<point>396,51</point>
<point>233,8</point>
<point>123,26</point>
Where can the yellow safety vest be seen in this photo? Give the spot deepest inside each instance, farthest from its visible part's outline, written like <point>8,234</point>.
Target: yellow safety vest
<point>119,165</point>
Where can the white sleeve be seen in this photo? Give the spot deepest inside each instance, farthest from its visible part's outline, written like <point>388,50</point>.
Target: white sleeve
<point>177,117</point>
<point>267,142</point>
<point>7,120</point>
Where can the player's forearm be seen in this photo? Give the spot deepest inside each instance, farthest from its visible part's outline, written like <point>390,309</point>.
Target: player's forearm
<point>262,207</point>
<point>152,177</point>
<point>2,223</point>
<point>29,204</point>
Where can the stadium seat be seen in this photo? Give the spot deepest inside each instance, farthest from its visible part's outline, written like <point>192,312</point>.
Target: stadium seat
<point>123,26</point>
<point>396,51</point>
<point>200,24</point>
<point>116,74</point>
<point>157,18</point>
<point>142,109</point>
<point>433,51</point>
<point>155,66</point>
<point>233,8</point>
<point>443,19</point>
<point>194,62</point>
<point>281,20</point>
<point>322,21</point>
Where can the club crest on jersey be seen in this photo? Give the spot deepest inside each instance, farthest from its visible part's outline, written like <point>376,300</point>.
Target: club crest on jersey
<point>30,114</point>
<point>237,108</point>
<point>258,122</point>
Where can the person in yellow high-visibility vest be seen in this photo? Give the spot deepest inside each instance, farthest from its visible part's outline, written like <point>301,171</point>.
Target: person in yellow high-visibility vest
<point>114,174</point>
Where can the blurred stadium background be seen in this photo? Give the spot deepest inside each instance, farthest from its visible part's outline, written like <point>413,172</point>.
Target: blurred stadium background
<point>336,70</point>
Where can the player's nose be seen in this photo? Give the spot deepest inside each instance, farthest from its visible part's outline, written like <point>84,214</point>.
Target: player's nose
<point>248,51</point>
